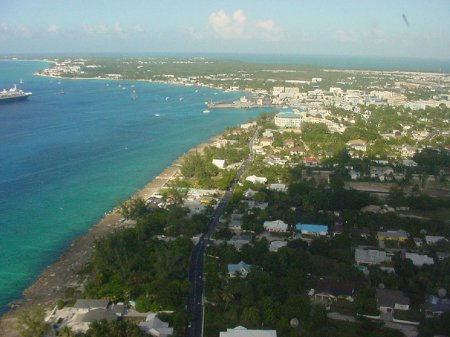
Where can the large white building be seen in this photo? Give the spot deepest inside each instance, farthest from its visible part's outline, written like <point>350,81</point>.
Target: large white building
<point>240,331</point>
<point>288,120</point>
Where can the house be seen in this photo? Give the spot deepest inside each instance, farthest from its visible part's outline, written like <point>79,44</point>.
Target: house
<point>240,268</point>
<point>254,179</point>
<point>235,221</point>
<point>278,187</point>
<point>289,143</point>
<point>329,290</point>
<point>354,175</point>
<point>254,204</point>
<point>399,235</point>
<point>240,240</point>
<point>432,239</point>
<point>267,134</point>
<point>389,300</point>
<point>357,145</point>
<point>338,228</point>
<point>265,141</point>
<point>276,226</point>
<point>276,245</point>
<point>155,327</point>
<point>219,163</point>
<point>86,305</point>
<point>311,161</point>
<point>419,260</point>
<point>381,172</point>
<point>436,306</point>
<point>370,256</point>
<point>250,193</point>
<point>313,230</point>
<point>300,150</point>
<point>240,331</point>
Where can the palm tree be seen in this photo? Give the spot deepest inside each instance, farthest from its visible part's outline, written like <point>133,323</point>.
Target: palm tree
<point>227,296</point>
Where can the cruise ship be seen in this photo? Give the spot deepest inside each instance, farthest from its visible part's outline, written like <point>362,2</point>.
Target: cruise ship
<point>13,94</point>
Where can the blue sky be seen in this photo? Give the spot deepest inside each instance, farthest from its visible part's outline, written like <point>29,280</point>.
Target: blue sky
<point>335,27</point>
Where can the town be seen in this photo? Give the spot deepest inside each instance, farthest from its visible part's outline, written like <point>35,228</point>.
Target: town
<point>338,226</point>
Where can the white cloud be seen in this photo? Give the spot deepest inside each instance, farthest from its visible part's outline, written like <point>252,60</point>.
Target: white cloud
<point>23,31</point>
<point>344,36</point>
<point>237,26</point>
<point>102,29</point>
<point>52,28</point>
<point>138,29</point>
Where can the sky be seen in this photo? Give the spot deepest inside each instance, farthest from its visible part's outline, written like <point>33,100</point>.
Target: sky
<point>399,28</point>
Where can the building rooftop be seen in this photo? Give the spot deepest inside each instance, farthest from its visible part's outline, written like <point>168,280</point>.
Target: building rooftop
<point>240,331</point>
<point>388,298</point>
<point>311,228</point>
<point>91,304</point>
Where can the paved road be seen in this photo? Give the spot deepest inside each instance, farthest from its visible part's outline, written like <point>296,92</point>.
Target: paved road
<point>195,301</point>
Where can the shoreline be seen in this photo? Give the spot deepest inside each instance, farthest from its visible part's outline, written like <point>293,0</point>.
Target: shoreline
<point>62,274</point>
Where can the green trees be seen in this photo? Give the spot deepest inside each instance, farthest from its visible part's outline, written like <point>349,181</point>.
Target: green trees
<point>114,329</point>
<point>133,208</point>
<point>30,322</point>
<point>196,166</point>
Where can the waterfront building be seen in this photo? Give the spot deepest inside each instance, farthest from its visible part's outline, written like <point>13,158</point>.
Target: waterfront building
<point>288,120</point>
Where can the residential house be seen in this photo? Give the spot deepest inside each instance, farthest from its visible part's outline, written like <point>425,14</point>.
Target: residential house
<point>289,143</point>
<point>265,141</point>
<point>436,306</point>
<point>299,150</point>
<point>398,235</point>
<point>254,179</point>
<point>155,327</point>
<point>242,269</point>
<point>267,134</point>
<point>312,230</point>
<point>251,204</point>
<point>357,145</point>
<point>219,163</point>
<point>238,241</point>
<point>354,175</point>
<point>276,226</point>
<point>235,221</point>
<point>240,331</point>
<point>389,300</point>
<point>418,259</point>
<point>86,305</point>
<point>328,290</point>
<point>250,193</point>
<point>433,239</point>
<point>278,187</point>
<point>311,162</point>
<point>276,245</point>
<point>370,256</point>
<point>381,172</point>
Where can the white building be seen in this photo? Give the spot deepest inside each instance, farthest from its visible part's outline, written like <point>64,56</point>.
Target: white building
<point>254,179</point>
<point>276,226</point>
<point>155,327</point>
<point>288,120</point>
<point>219,163</point>
<point>240,331</point>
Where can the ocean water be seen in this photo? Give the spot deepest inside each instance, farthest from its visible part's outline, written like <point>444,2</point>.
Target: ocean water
<point>65,159</point>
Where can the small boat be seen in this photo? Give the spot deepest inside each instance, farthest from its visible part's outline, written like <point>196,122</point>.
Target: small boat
<point>196,90</point>
<point>180,99</point>
<point>21,82</point>
<point>157,115</point>
<point>167,98</point>
<point>206,111</point>
<point>133,96</point>
<point>62,92</point>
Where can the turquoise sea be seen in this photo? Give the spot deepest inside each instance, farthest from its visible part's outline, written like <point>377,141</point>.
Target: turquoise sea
<point>65,159</point>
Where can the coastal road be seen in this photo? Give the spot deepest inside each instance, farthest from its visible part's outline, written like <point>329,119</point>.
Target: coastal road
<point>195,307</point>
